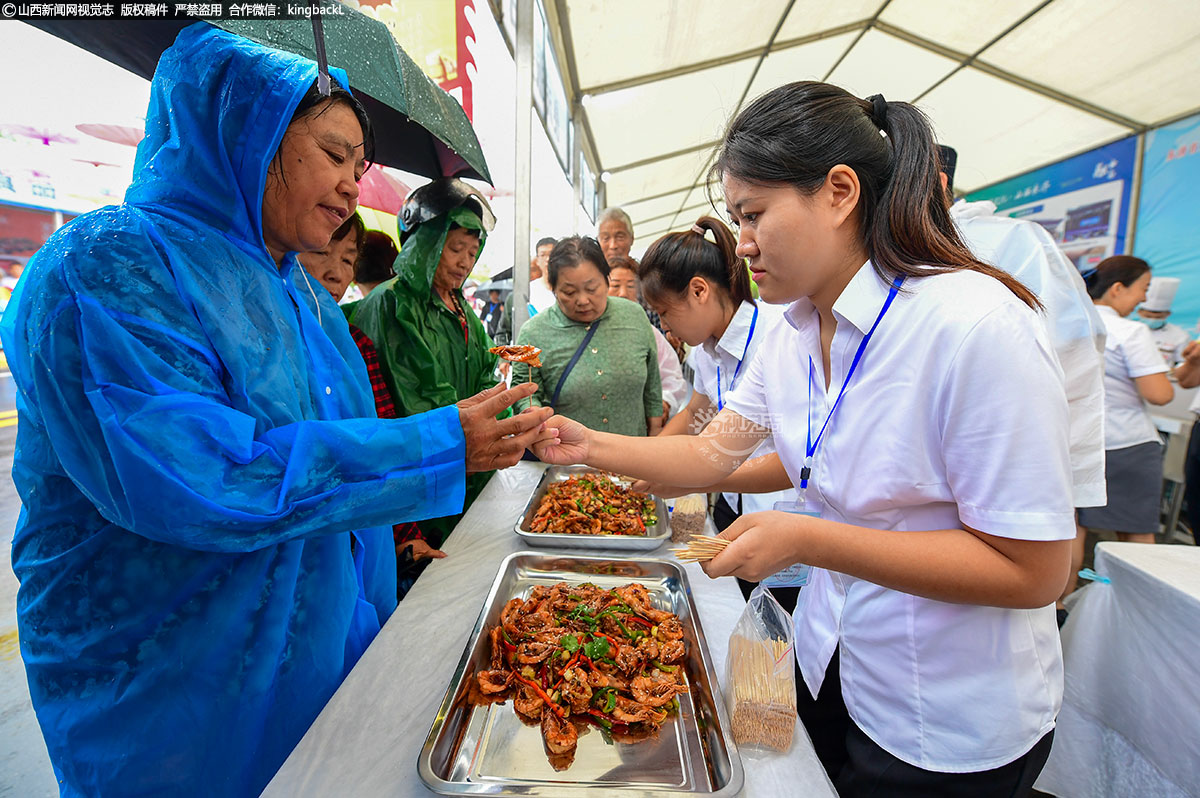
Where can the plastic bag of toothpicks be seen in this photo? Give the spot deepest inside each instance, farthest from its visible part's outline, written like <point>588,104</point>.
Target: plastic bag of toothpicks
<point>761,675</point>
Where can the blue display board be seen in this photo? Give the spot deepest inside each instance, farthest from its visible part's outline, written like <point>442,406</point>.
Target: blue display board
<point>1083,201</point>
<point>1168,223</point>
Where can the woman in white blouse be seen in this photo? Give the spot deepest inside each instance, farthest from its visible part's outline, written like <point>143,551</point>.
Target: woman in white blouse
<point>1134,375</point>
<point>915,401</point>
<point>700,288</point>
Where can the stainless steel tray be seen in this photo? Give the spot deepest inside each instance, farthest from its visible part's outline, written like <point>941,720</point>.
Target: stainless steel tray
<point>656,534</point>
<point>487,750</point>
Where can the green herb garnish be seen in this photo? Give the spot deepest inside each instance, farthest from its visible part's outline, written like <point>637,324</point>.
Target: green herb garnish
<point>596,648</point>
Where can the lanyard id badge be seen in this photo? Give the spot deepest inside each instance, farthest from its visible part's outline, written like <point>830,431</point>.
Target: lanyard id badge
<point>795,575</point>
<point>738,368</point>
<point>810,444</point>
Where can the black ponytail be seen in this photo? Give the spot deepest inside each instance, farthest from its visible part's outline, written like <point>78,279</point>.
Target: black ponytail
<point>797,133</point>
<point>673,260</point>
<point>1123,269</point>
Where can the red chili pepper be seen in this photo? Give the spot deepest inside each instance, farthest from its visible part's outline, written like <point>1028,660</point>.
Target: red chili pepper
<point>641,620</point>
<point>543,695</point>
<point>585,659</point>
<point>606,637</point>
<point>573,660</point>
<point>542,675</point>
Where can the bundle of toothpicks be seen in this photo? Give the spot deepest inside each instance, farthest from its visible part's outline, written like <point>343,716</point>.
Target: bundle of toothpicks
<point>700,548</point>
<point>764,692</point>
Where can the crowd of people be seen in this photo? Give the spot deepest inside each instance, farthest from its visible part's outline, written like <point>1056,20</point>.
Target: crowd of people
<point>230,480</point>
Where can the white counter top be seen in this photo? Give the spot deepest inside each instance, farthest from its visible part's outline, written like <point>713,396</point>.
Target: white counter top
<point>1128,724</point>
<point>367,739</point>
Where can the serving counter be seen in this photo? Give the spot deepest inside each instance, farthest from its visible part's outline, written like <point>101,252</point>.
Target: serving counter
<point>1129,721</point>
<point>367,739</point>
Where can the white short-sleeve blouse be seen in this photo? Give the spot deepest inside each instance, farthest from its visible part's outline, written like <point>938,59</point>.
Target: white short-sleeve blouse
<point>955,416</point>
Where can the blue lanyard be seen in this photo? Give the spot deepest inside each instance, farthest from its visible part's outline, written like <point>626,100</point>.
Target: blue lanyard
<point>811,446</point>
<point>746,351</point>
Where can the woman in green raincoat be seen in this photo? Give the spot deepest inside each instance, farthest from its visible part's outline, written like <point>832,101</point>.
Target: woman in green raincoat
<point>432,346</point>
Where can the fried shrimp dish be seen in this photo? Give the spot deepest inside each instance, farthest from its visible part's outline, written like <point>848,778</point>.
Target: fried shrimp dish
<point>519,354</point>
<point>593,504</point>
<point>571,655</point>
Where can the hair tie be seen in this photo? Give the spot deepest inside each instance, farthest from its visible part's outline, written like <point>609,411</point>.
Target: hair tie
<point>1089,273</point>
<point>878,112</point>
<point>698,230</point>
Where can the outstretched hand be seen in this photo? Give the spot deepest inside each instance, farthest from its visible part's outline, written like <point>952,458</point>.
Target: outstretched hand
<point>565,442</point>
<point>1191,353</point>
<point>492,443</point>
<point>423,551</point>
<point>662,491</point>
<point>763,543</point>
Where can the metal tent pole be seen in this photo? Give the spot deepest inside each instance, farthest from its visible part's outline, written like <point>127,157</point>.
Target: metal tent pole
<point>523,184</point>
<point>577,164</point>
<point>1135,199</point>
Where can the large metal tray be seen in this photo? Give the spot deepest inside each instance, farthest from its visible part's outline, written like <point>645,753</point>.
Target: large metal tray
<point>655,536</point>
<point>487,750</point>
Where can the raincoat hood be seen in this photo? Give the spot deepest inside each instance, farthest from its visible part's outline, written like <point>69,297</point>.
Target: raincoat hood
<point>419,256</point>
<point>210,81</point>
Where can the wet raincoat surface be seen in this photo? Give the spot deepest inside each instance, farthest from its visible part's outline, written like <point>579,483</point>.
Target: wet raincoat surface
<point>197,447</point>
<point>427,360</point>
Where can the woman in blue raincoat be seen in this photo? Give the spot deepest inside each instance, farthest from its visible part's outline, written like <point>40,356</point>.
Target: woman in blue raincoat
<point>198,446</point>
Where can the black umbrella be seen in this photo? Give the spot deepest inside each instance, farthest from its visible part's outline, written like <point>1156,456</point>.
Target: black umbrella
<point>419,128</point>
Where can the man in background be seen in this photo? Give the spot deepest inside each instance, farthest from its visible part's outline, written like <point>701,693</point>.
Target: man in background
<point>540,295</point>
<point>614,232</point>
<point>492,313</point>
<point>1026,251</point>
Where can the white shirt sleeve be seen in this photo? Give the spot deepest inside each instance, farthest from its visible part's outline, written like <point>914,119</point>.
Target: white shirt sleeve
<point>701,366</point>
<point>675,389</point>
<point>1004,431</point>
<point>749,398</point>
<point>1141,354</point>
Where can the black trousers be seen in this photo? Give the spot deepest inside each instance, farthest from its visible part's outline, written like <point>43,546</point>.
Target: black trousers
<point>1191,482</point>
<point>859,768</point>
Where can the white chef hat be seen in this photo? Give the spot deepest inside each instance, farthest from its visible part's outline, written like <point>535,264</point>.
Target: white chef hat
<point>1161,294</point>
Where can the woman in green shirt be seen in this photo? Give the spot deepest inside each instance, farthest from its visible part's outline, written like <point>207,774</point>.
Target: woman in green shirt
<point>614,384</point>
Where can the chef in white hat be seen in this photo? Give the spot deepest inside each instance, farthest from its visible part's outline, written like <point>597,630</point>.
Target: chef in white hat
<point>1169,338</point>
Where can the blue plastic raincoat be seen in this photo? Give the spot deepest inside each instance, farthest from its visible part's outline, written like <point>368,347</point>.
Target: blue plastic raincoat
<point>197,442</point>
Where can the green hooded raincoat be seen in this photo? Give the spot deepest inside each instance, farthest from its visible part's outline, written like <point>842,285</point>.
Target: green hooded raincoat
<point>427,361</point>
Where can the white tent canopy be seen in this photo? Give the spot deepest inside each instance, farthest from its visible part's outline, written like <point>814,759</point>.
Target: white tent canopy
<point>1011,84</point>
